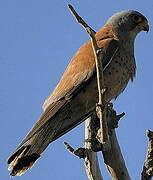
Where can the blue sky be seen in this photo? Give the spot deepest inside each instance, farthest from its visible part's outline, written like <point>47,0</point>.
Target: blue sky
<point>37,40</point>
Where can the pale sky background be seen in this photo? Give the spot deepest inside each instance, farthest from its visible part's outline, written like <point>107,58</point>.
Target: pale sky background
<point>37,40</point>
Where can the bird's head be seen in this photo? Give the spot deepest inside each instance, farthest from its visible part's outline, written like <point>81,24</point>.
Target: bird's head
<point>128,23</point>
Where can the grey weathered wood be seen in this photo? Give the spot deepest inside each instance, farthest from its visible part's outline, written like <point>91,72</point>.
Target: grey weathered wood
<point>113,157</point>
<point>91,160</point>
<point>114,160</point>
<point>104,137</point>
<point>147,172</point>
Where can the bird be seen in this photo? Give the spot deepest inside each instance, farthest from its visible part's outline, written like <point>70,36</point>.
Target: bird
<point>74,98</point>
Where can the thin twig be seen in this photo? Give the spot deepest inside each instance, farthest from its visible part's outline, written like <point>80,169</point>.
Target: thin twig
<point>79,18</point>
<point>80,152</point>
<point>100,80</point>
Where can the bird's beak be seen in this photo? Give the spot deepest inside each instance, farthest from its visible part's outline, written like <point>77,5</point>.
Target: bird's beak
<point>145,26</point>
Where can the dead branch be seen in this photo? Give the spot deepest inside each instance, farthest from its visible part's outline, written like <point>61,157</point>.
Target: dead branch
<point>79,18</point>
<point>100,80</point>
<point>90,157</point>
<point>113,157</point>
<point>91,160</point>
<point>80,152</point>
<point>147,172</point>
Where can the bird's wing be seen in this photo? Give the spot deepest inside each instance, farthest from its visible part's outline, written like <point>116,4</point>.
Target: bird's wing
<point>65,108</point>
<point>82,66</point>
<point>74,80</point>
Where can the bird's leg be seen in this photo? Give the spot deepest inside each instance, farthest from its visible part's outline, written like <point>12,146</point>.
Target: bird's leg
<point>111,117</point>
<point>95,145</point>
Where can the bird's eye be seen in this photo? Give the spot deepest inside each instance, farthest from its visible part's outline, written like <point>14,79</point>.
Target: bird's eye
<point>136,18</point>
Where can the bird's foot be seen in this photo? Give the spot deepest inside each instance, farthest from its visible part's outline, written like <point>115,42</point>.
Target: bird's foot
<point>112,117</point>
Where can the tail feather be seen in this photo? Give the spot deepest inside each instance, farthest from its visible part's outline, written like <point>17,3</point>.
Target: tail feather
<point>29,151</point>
<point>26,155</point>
<point>12,159</point>
<point>19,163</point>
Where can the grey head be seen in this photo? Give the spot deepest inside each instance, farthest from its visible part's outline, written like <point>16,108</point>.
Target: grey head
<point>128,22</point>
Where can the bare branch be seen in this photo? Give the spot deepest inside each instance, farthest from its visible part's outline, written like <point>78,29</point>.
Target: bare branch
<point>113,157</point>
<point>100,80</point>
<point>91,160</point>
<point>114,160</point>
<point>147,172</point>
<point>78,18</point>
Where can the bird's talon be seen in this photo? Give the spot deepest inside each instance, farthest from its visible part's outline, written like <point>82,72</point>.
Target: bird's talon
<point>115,119</point>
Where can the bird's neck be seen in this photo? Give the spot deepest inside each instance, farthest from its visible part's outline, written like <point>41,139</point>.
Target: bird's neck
<point>127,45</point>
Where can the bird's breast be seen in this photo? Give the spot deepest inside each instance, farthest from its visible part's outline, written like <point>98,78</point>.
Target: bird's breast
<point>118,73</point>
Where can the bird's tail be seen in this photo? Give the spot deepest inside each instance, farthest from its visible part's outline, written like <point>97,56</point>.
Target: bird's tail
<point>46,130</point>
<point>51,126</point>
<point>19,163</point>
<point>30,149</point>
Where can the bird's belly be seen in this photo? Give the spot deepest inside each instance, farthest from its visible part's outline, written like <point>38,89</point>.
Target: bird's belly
<point>116,78</point>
